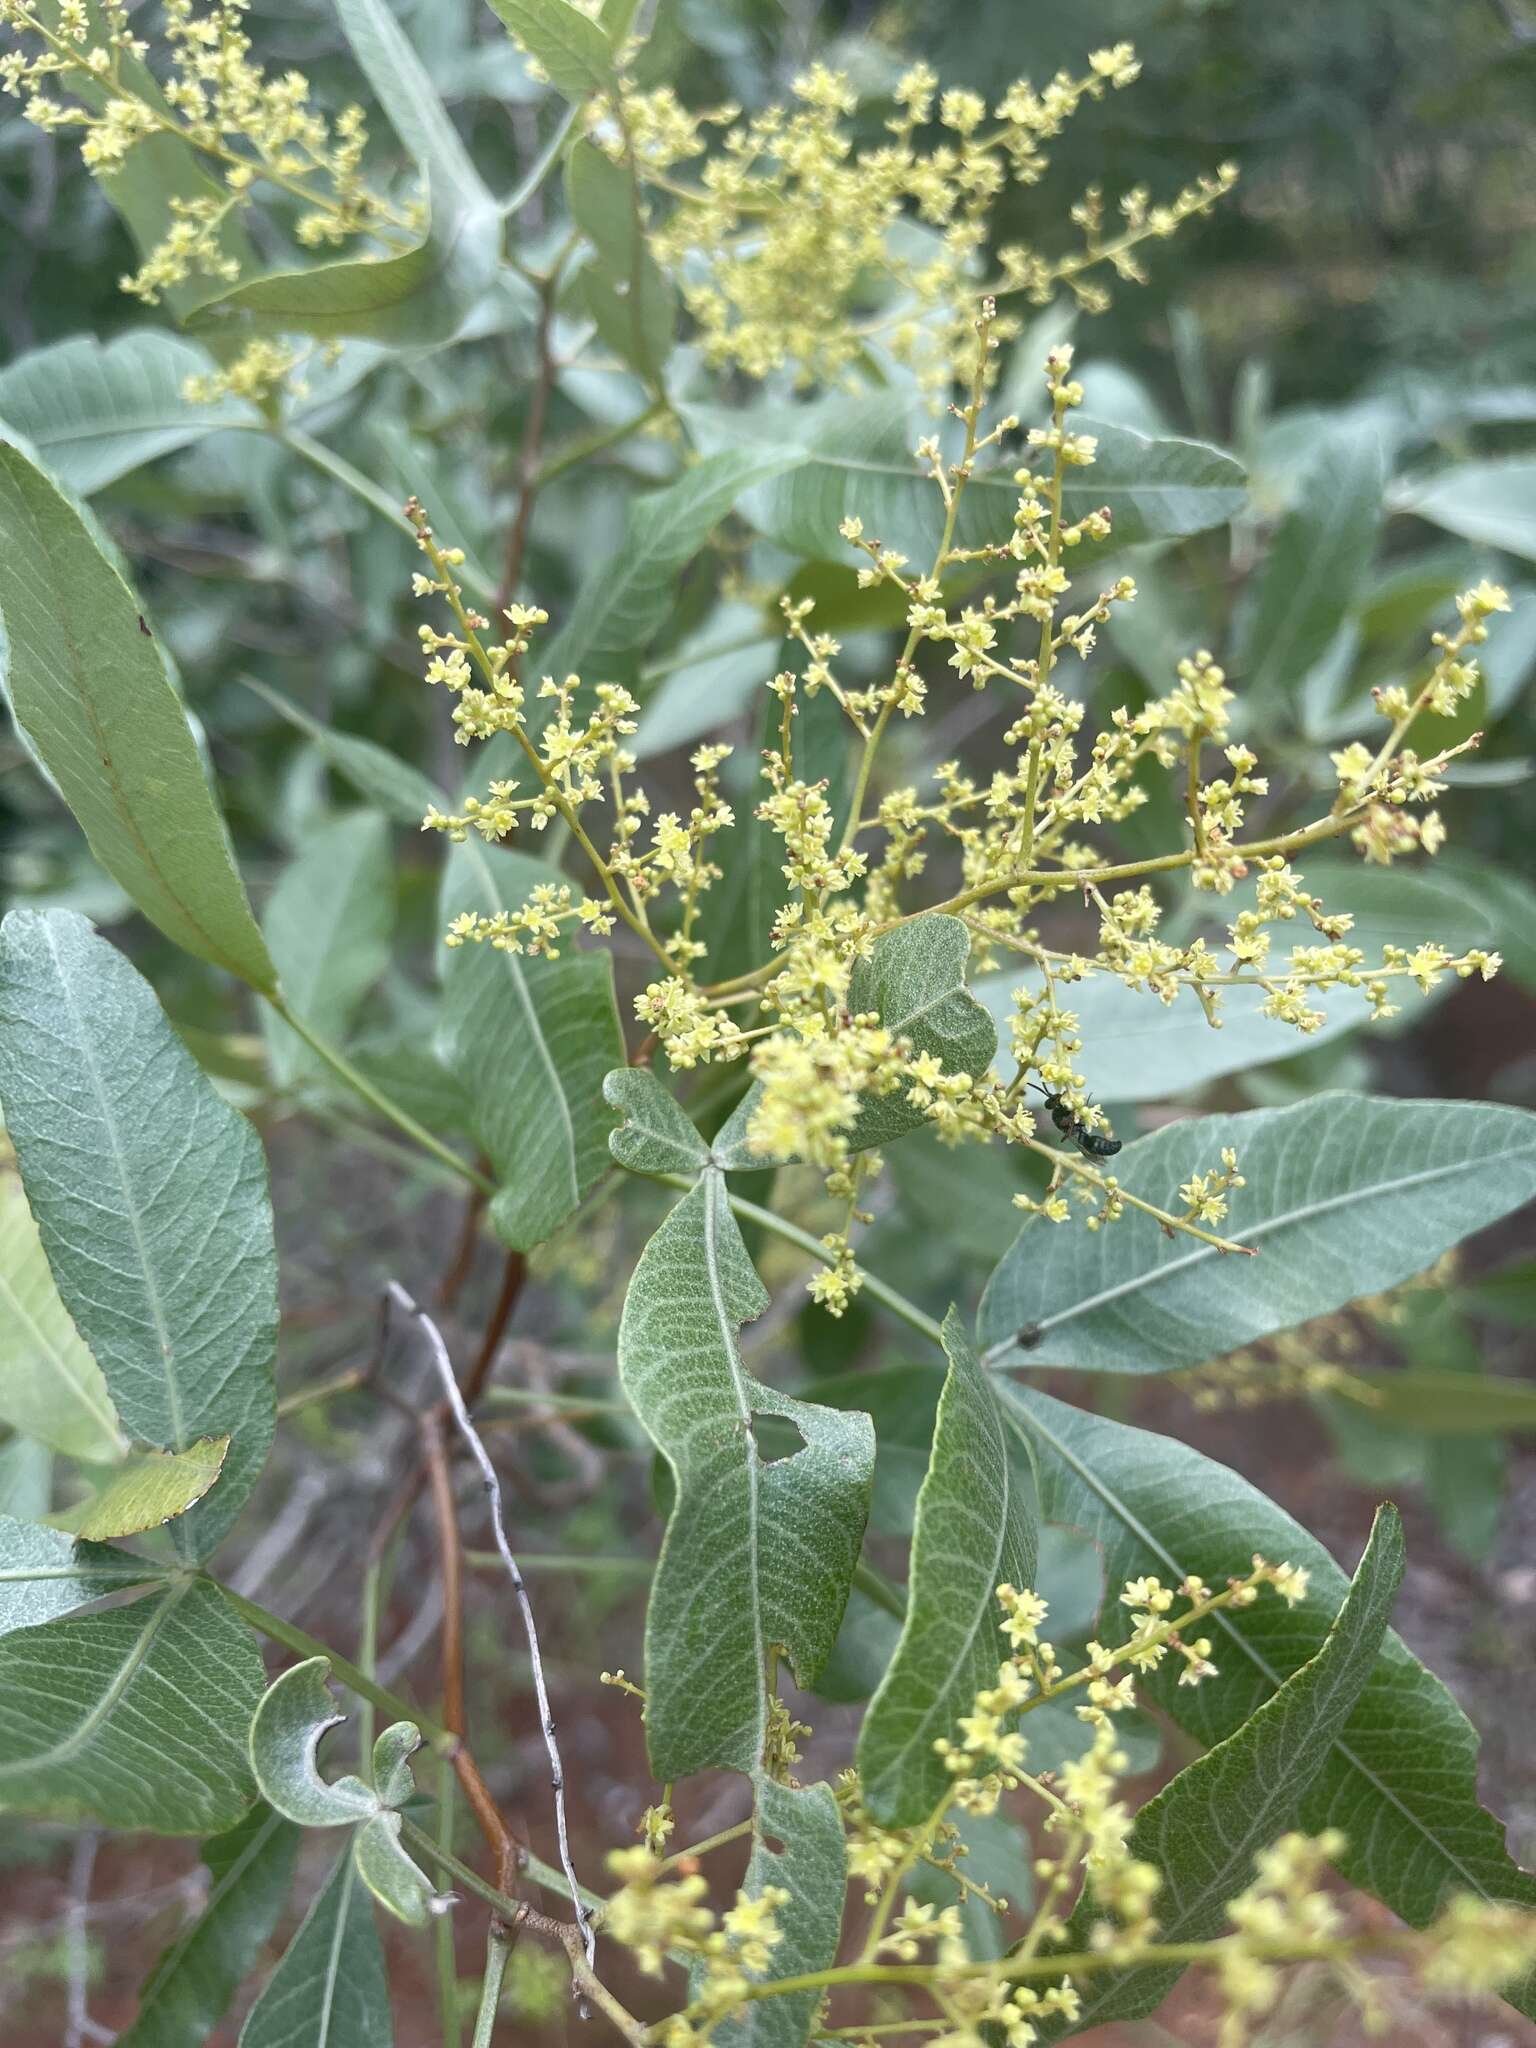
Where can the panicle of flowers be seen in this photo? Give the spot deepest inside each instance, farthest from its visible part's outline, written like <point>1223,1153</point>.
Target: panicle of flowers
<point>659,1913</point>
<point>575,749</point>
<point>791,224</point>
<point>84,70</point>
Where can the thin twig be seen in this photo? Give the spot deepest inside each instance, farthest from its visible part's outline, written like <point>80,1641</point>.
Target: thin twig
<point>471,1436</point>
<point>532,448</point>
<point>583,1976</point>
<point>76,1945</point>
<point>464,1251</point>
<point>451,1563</point>
<point>514,1275</point>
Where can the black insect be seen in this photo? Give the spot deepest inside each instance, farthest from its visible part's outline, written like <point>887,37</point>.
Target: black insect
<point>1092,1144</point>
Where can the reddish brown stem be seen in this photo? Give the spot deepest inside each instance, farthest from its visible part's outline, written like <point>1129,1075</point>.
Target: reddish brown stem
<point>514,1276</point>
<point>452,1283</point>
<point>451,1563</point>
<point>532,448</point>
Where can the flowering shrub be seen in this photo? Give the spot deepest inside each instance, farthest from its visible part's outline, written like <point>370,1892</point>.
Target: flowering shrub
<point>814,949</point>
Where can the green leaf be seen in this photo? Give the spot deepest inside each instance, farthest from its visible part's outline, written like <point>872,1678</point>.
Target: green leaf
<point>809,1860</point>
<point>569,47</point>
<point>656,1135</point>
<point>530,1041</point>
<point>853,458</point>
<point>329,1990</point>
<point>134,1717</point>
<point>50,1386</point>
<point>150,1195</point>
<point>95,411</point>
<point>976,1529</point>
<point>1492,502</point>
<point>1344,1196</point>
<point>962,1195</point>
<point>1315,566</point>
<point>45,1573</point>
<point>714,676</point>
<point>401,791</point>
<point>149,1489</point>
<point>624,600</point>
<point>404,89</point>
<point>26,1478</point>
<point>1402,1779</point>
<point>188,1991</point>
<point>391,1876</point>
<point>914,979</point>
<point>757,1554</point>
<point>418,299</point>
<point>631,303</point>
<point>294,1714</point>
<point>1508,901</point>
<point>90,691</point>
<point>328,926</point>
<point>1204,1829</point>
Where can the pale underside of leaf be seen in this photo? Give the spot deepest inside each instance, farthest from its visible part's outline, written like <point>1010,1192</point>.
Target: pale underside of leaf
<point>973,1533</point>
<point>1345,1196</point>
<point>756,1555</point>
<point>798,1845</point>
<point>134,1716</point>
<point>151,1200</point>
<point>50,1385</point>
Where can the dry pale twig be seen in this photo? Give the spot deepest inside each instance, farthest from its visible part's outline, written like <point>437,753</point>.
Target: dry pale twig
<point>455,1399</point>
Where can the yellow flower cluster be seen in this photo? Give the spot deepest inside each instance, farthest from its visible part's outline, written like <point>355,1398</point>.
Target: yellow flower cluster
<point>83,69</point>
<point>657,1914</point>
<point>798,246</point>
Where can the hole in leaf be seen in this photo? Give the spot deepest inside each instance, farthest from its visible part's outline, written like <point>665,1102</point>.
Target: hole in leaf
<point>776,1438</point>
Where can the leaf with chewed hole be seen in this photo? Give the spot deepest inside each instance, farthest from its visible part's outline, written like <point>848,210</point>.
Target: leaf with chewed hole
<point>757,1555</point>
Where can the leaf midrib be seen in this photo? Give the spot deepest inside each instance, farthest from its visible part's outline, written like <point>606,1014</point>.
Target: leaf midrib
<point>333,1960</point>
<point>712,1187</point>
<point>541,1044</point>
<point>989,1586</point>
<point>83,1730</point>
<point>1254,1233</point>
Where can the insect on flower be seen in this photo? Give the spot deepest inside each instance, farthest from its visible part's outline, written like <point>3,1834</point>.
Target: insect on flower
<point>1092,1144</point>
